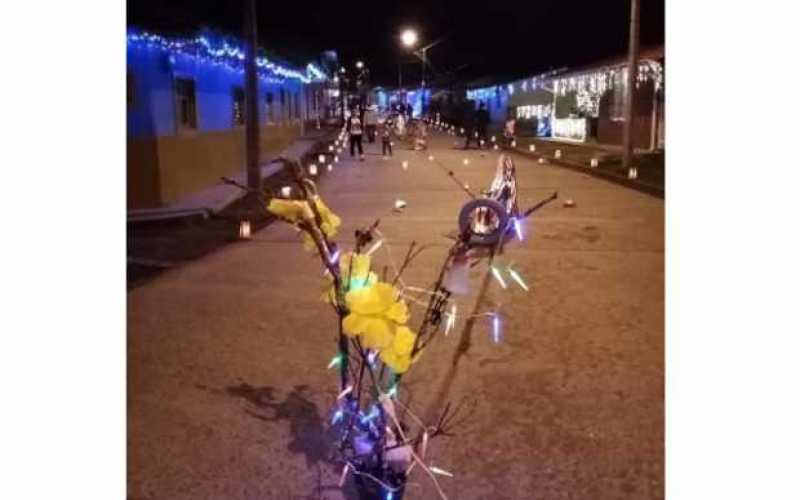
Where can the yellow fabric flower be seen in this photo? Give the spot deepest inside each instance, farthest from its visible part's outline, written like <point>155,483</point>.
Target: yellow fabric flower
<point>360,276</point>
<point>375,313</point>
<point>330,221</point>
<point>296,211</point>
<point>329,225</point>
<point>398,355</point>
<point>293,211</point>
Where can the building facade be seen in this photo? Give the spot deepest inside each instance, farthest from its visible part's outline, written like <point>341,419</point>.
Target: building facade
<point>584,104</point>
<point>185,112</point>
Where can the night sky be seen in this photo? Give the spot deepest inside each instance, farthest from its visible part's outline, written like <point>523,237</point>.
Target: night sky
<point>502,39</point>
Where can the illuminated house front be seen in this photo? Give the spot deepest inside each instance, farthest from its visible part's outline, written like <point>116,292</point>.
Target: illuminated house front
<point>584,104</point>
<point>185,112</point>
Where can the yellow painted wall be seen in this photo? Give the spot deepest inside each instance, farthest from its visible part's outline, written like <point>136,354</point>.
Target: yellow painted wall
<point>162,170</point>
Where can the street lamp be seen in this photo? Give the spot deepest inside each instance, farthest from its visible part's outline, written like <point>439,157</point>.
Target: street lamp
<point>409,38</point>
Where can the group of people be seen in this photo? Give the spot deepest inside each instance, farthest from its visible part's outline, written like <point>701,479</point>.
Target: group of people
<point>365,121</point>
<point>476,128</point>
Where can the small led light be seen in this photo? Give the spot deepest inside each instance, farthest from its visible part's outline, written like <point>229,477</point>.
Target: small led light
<point>516,277</point>
<point>498,277</point>
<point>335,361</point>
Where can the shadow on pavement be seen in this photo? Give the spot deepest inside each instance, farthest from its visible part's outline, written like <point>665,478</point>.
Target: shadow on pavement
<point>310,436</point>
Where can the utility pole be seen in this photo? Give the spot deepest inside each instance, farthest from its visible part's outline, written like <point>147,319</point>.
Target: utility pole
<point>251,97</point>
<point>633,56</point>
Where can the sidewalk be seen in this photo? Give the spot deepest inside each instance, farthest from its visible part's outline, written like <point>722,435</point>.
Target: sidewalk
<point>215,198</point>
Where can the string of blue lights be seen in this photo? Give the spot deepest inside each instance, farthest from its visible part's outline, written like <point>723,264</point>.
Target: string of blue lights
<point>221,51</point>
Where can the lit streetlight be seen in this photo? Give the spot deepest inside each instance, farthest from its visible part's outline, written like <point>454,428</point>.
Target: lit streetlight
<point>409,37</point>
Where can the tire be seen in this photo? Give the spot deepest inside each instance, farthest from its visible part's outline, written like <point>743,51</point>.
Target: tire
<point>465,226</point>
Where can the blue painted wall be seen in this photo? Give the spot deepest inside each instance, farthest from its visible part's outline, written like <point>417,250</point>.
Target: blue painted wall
<point>153,112</point>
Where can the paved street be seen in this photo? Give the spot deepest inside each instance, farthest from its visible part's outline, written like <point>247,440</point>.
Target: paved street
<point>228,391</point>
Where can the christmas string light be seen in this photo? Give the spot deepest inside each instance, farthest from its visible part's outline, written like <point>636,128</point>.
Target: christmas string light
<point>518,228</point>
<point>516,277</point>
<point>345,392</point>
<point>335,361</point>
<point>498,277</point>
<point>439,471</point>
<point>216,52</point>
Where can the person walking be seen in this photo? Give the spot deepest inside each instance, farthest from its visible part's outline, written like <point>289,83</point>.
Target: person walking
<point>355,129</point>
<point>386,137</point>
<point>510,132</point>
<point>469,126</point>
<point>370,123</point>
<point>482,124</point>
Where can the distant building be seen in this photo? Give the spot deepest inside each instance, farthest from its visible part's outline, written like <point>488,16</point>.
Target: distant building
<point>583,104</point>
<point>185,112</point>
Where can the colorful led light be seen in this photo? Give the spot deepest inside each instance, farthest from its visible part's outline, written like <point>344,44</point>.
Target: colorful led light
<point>498,277</point>
<point>518,229</point>
<point>516,277</point>
<point>439,471</point>
<point>335,361</point>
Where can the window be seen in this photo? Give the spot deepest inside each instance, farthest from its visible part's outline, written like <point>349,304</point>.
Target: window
<point>185,102</point>
<point>131,86</point>
<point>270,107</point>
<point>238,106</point>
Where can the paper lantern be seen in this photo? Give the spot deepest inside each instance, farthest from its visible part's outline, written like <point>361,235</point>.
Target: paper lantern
<point>330,167</point>
<point>312,169</point>
<point>466,161</point>
<point>336,159</point>
<point>532,148</point>
<point>513,144</point>
<point>244,230</point>
<point>494,139</point>
<point>405,165</point>
<point>542,160</point>
<point>321,158</point>
<point>330,148</point>
<point>286,191</point>
<point>558,154</point>
<point>430,158</point>
<point>594,162</point>
<point>632,173</point>
<point>495,147</point>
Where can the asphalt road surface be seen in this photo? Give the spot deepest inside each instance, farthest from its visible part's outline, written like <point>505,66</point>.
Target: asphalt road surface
<point>229,395</point>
